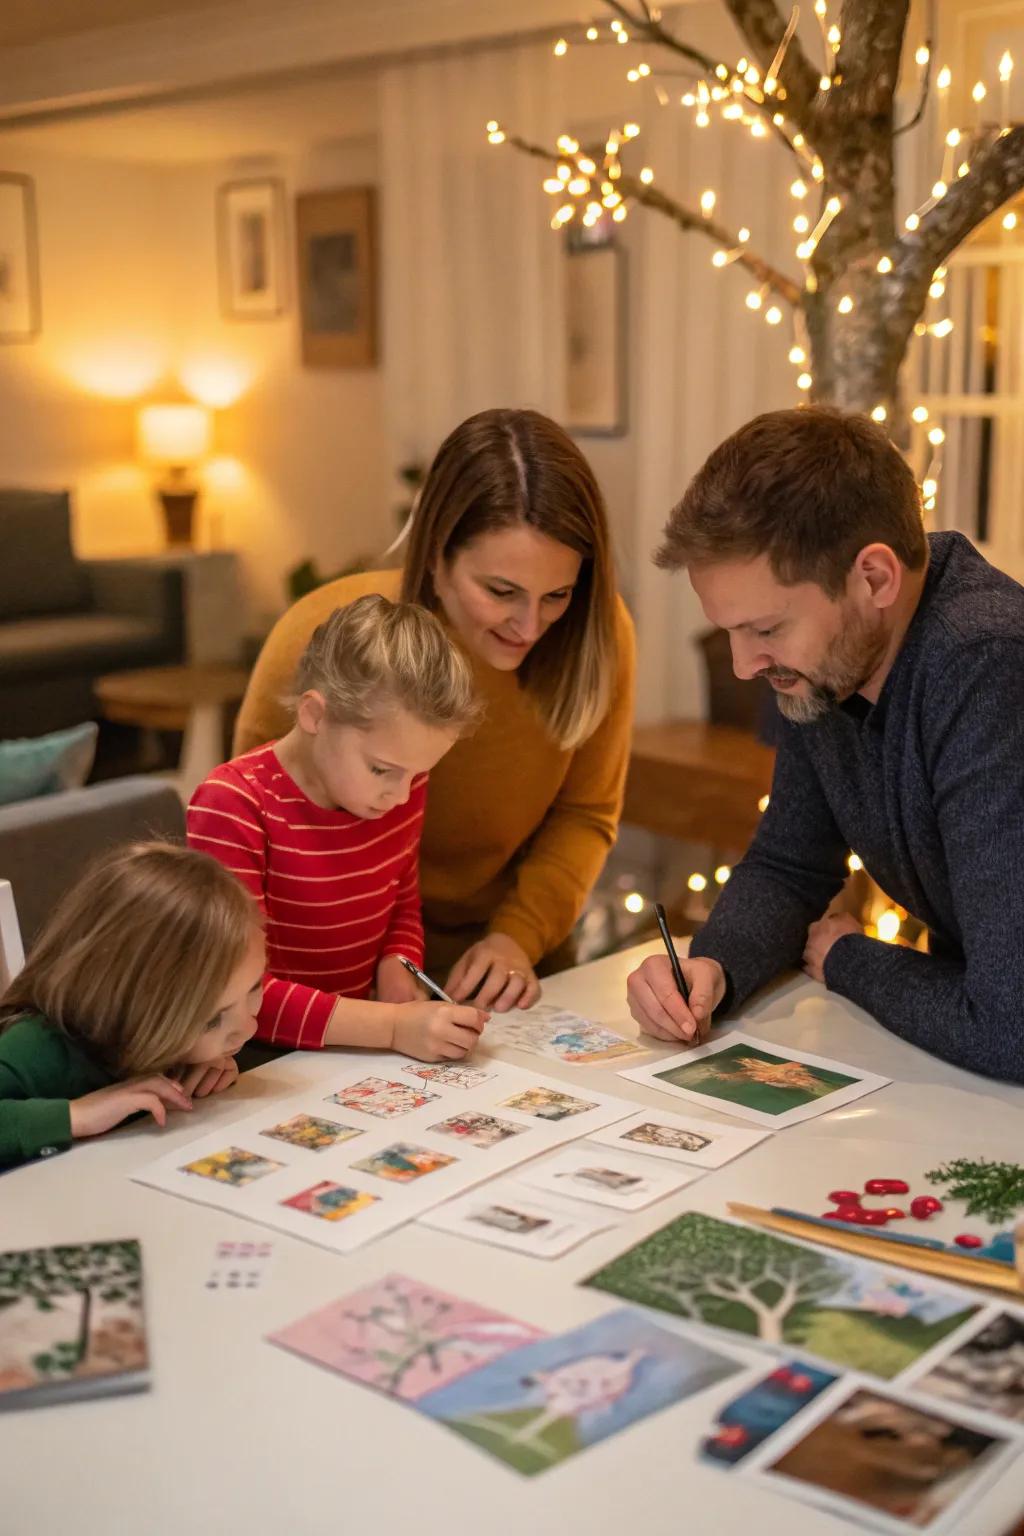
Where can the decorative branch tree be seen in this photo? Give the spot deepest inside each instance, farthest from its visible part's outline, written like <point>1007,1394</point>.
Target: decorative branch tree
<point>864,285</point>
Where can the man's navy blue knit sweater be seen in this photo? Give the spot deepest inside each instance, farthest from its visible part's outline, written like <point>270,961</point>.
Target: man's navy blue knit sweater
<point>927,786</point>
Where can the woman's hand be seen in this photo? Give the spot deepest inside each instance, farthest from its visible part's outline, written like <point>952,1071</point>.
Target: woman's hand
<point>496,973</point>
<point>437,1031</point>
<point>210,1076</point>
<point>97,1112</point>
<point>395,984</point>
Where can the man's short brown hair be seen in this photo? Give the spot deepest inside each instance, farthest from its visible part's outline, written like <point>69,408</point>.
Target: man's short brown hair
<point>809,488</point>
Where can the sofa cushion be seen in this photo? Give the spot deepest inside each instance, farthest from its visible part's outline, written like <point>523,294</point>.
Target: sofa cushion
<point>42,765</point>
<point>38,572</point>
<point>82,643</point>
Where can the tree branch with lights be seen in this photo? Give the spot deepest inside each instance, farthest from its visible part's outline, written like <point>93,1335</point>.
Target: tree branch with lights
<point>861,287</point>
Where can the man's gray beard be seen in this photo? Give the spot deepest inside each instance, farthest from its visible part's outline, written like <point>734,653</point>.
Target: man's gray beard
<point>852,659</point>
<point>805,711</point>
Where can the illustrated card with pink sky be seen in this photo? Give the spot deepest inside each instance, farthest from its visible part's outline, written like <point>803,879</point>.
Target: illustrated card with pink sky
<point>404,1338</point>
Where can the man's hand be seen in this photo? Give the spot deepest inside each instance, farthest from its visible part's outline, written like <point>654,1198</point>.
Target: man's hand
<point>820,938</point>
<point>657,1005</point>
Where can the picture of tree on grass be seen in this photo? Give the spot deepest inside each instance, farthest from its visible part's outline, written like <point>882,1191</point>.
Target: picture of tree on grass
<point>846,1311</point>
<point>761,1080</point>
<point>68,1312</point>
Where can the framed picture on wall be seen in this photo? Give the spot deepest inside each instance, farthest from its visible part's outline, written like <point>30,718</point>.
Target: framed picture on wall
<point>19,259</point>
<point>250,249</point>
<point>337,266</point>
<point>595,309</point>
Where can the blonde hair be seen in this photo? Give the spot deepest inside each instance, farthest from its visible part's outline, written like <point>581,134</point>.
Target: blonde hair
<point>373,654</point>
<point>500,469</point>
<point>136,956</point>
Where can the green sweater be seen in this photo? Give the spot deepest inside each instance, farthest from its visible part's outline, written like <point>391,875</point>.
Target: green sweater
<point>41,1071</point>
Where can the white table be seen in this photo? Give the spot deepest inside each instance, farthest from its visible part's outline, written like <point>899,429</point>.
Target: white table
<point>239,1438</point>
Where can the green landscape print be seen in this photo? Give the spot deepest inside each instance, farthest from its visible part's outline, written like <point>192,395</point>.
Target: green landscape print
<point>761,1080</point>
<point>847,1311</point>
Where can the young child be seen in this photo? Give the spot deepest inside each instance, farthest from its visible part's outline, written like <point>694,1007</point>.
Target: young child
<point>323,829</point>
<point>152,963</point>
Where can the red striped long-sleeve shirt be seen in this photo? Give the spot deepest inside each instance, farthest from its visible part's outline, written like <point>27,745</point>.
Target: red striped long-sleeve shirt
<point>337,893</point>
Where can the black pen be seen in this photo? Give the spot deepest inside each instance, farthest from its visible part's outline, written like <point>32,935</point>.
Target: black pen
<point>673,958</point>
<point>424,980</point>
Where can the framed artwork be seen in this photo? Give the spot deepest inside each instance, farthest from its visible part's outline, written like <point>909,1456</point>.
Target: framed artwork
<point>596,343</point>
<point>250,249</point>
<point>337,266</point>
<point>19,259</point>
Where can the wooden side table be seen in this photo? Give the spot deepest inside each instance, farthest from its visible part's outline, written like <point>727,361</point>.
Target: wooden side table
<point>187,699</point>
<point>697,782</point>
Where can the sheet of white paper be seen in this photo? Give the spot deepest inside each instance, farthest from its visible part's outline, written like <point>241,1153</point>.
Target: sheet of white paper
<point>768,1084</point>
<point>607,1177</point>
<point>681,1138</point>
<point>559,1035</point>
<point>510,1216</point>
<point>373,1145</point>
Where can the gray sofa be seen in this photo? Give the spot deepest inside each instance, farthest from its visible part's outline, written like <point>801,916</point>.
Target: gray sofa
<point>46,843</point>
<point>65,622</point>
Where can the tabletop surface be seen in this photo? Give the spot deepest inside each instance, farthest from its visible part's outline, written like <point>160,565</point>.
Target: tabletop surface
<point>237,1436</point>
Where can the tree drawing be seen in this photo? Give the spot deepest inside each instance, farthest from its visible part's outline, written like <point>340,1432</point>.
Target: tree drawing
<point>89,1272</point>
<point>716,1272</point>
<point>859,285</point>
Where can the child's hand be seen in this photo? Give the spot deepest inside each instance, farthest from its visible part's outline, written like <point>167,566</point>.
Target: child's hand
<point>395,984</point>
<point>97,1112</point>
<point>210,1077</point>
<point>437,1031</point>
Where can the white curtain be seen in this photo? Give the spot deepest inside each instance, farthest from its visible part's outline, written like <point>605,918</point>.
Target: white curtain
<point>472,290</point>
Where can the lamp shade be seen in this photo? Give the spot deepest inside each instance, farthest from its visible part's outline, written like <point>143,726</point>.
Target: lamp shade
<point>173,434</point>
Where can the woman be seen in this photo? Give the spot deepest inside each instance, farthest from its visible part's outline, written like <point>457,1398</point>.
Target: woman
<point>509,545</point>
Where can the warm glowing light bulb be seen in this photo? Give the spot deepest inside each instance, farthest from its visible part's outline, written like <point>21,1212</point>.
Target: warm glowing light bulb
<point>697,882</point>
<point>592,34</point>
<point>497,137</point>
<point>885,264</point>
<point>879,413</point>
<point>561,47</point>
<point>922,56</point>
<point>804,381</point>
<point>943,327</point>
<point>939,189</point>
<point>579,186</point>
<point>888,925</point>
<point>773,315</point>
<point>707,202</point>
<point>801,223</point>
<point>979,92</point>
<point>719,259</point>
<point>552,185</point>
<point>845,304</point>
<point>1006,66</point>
<point>953,138</point>
<point>619,213</point>
<point>919,413</point>
<point>936,290</point>
<point>753,299</point>
<point>799,188</point>
<point>912,221</point>
<point>722,874</point>
<point>936,437</point>
<point>763,803</point>
<point>929,488</point>
<point>647,175</point>
<point>643,70</point>
<point>797,355</point>
<point>824,84</point>
<point>631,130</point>
<point>634,902</point>
<point>944,78</point>
<point>854,863</point>
<point>743,235</point>
<point>492,126</point>
<point>1010,220</point>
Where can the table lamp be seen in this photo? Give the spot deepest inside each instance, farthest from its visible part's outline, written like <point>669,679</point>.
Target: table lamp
<point>175,437</point>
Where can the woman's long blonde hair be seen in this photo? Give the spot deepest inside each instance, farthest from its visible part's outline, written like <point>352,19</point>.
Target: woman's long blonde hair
<point>135,958</point>
<point>502,468</point>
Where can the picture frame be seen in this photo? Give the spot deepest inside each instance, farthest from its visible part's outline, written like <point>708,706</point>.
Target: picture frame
<point>336,247</point>
<point>251,248</point>
<point>20,309</point>
<point>595,311</point>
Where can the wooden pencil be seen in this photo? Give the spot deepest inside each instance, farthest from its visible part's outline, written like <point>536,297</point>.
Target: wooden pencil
<point>960,1268</point>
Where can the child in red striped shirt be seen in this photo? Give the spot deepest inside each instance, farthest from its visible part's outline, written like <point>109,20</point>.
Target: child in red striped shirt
<point>323,829</point>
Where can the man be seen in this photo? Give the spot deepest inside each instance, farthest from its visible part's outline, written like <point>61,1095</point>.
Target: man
<point>898,664</point>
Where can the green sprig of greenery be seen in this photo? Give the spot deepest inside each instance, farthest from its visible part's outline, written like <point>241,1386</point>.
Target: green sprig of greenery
<point>993,1190</point>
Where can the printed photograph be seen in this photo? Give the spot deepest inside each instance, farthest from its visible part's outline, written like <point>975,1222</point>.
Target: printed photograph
<point>558,1396</point>
<point>846,1311</point>
<point>604,1178</point>
<point>507,1219</point>
<point>232,1166</point>
<point>330,1202</point>
<point>377,1096</point>
<point>747,1421</point>
<point>450,1074</point>
<point>402,1162</point>
<point>986,1372</point>
<point>310,1132</point>
<point>479,1130</point>
<point>757,1079</point>
<point>547,1104</point>
<point>651,1134</point>
<point>404,1338</point>
<point>889,1455</point>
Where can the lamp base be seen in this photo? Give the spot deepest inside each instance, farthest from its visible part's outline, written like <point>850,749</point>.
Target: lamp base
<point>179,516</point>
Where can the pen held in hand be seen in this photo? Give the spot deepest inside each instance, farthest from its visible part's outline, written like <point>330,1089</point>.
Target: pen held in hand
<point>673,958</point>
<point>425,981</point>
